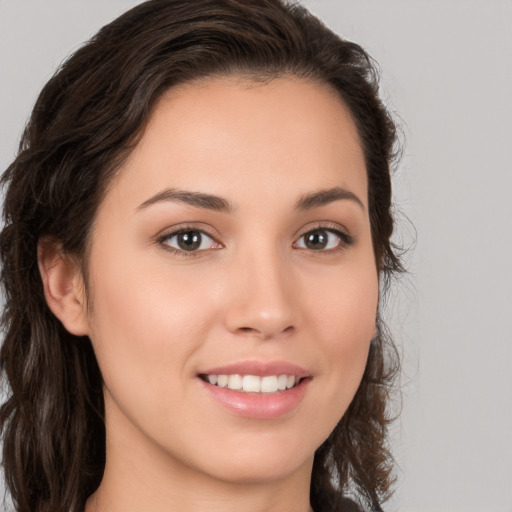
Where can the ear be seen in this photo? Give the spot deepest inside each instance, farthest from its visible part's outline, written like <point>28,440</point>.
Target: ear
<point>63,287</point>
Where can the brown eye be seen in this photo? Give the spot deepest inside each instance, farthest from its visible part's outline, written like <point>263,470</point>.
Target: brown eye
<point>316,240</point>
<point>189,241</point>
<point>323,240</point>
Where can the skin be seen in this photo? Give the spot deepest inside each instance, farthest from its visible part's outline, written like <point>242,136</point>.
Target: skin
<point>254,291</point>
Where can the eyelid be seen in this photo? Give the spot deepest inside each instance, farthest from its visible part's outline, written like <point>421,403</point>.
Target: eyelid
<point>168,233</point>
<point>346,239</point>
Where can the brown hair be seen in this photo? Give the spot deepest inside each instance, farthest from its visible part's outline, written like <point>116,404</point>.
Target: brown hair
<point>85,122</point>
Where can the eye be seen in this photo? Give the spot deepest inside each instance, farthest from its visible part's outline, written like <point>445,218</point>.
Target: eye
<point>189,240</point>
<point>323,239</point>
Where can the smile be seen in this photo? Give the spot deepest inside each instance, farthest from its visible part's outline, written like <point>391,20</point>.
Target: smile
<point>257,389</point>
<point>253,383</point>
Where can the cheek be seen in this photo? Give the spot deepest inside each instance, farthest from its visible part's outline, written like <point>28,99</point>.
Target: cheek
<point>346,315</point>
<point>145,325</point>
<point>346,306</point>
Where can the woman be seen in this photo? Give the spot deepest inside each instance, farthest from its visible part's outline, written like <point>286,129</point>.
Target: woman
<point>196,228</point>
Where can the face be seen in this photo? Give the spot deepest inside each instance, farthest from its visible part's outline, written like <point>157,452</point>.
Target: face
<point>233,288</point>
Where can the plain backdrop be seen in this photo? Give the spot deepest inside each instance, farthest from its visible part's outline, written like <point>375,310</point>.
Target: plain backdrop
<point>447,73</point>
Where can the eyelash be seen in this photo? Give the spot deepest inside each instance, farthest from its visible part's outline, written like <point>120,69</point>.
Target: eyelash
<point>163,240</point>
<point>345,240</point>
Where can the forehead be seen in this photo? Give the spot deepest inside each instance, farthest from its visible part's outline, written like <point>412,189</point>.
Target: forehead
<point>238,138</point>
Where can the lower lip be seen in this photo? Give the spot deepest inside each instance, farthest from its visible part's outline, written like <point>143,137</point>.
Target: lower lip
<point>258,405</point>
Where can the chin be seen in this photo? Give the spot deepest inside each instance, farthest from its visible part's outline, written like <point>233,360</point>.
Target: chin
<point>261,461</point>
<point>262,472</point>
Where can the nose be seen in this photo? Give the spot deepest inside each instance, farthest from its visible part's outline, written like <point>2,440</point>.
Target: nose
<point>261,301</point>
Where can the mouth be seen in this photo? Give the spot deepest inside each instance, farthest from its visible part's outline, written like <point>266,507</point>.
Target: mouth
<point>253,383</point>
<point>257,389</point>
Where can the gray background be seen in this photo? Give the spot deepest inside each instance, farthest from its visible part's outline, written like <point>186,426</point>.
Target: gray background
<point>447,71</point>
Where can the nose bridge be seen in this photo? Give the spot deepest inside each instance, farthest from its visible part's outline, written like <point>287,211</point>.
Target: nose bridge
<point>261,298</point>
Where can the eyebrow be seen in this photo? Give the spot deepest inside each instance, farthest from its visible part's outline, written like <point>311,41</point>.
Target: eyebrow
<point>324,197</point>
<point>219,204</point>
<point>197,199</point>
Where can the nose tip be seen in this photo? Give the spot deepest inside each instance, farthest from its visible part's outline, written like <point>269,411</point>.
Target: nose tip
<point>262,302</point>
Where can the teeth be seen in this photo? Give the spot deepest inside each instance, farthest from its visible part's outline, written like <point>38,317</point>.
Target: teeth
<point>269,384</point>
<point>235,382</point>
<point>222,381</point>
<point>253,383</point>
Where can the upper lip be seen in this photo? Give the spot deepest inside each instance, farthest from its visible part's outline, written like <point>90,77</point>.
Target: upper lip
<point>258,368</point>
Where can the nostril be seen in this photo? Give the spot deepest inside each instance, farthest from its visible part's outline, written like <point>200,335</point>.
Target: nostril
<point>263,333</point>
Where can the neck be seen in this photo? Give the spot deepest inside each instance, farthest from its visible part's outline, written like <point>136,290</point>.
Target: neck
<point>141,476</point>
<point>134,490</point>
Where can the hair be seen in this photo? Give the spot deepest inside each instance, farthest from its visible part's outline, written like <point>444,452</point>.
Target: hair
<point>87,119</point>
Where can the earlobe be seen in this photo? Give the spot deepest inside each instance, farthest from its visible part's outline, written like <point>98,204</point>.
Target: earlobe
<point>63,287</point>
